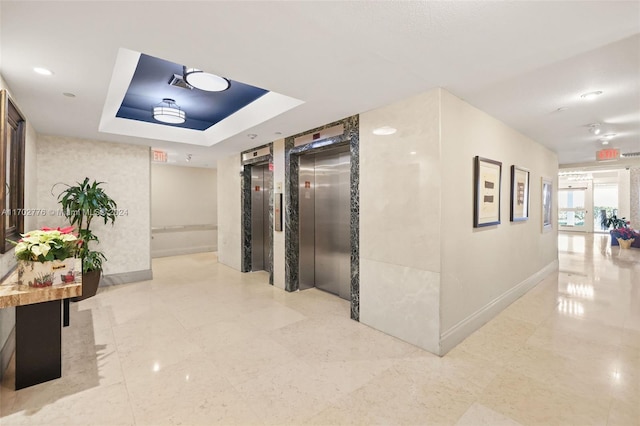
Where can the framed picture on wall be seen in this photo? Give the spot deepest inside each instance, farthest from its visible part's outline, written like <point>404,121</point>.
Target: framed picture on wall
<point>487,177</point>
<point>547,201</point>
<point>519,194</point>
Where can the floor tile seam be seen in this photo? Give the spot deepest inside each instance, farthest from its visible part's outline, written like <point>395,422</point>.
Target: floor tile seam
<point>559,387</point>
<point>333,399</point>
<point>567,353</point>
<point>566,359</point>
<point>126,386</point>
<point>586,323</point>
<point>259,414</point>
<point>511,315</point>
<point>544,386</point>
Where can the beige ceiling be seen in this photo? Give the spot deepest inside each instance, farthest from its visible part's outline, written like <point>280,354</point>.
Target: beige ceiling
<point>519,61</point>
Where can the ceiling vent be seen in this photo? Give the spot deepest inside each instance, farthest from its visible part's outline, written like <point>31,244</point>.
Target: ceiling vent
<point>631,154</point>
<point>178,81</point>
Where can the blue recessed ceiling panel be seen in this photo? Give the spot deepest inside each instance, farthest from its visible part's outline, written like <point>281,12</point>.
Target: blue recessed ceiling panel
<point>151,83</point>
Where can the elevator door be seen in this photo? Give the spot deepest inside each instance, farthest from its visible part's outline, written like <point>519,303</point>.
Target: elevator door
<point>260,242</point>
<point>325,231</point>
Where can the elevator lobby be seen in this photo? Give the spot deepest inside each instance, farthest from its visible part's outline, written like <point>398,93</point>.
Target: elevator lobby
<point>326,213</point>
<point>221,347</point>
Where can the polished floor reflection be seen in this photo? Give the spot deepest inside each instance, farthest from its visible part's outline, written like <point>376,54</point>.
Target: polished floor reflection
<point>202,344</point>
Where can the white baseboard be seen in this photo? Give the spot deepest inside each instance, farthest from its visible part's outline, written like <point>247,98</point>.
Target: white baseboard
<point>126,277</point>
<point>456,334</point>
<point>182,250</point>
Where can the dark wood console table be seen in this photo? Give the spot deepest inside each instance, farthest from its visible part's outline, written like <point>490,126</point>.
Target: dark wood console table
<point>38,327</point>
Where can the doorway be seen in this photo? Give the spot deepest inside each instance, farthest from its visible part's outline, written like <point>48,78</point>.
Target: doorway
<point>573,214</point>
<point>324,212</point>
<point>261,184</point>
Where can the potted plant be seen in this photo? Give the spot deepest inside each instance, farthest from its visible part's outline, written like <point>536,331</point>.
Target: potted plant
<point>614,222</point>
<point>81,204</point>
<point>624,236</point>
<point>46,257</point>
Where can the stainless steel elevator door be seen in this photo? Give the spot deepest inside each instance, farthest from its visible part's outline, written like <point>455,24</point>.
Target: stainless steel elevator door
<point>260,192</point>
<point>325,239</point>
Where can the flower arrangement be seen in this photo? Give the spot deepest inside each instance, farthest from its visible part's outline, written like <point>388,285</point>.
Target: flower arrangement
<point>46,244</point>
<point>624,233</point>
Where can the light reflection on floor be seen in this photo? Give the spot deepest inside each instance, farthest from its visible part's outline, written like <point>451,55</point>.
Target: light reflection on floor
<point>203,344</point>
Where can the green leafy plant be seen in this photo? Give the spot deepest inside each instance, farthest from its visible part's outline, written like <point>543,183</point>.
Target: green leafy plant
<point>81,204</point>
<point>614,222</point>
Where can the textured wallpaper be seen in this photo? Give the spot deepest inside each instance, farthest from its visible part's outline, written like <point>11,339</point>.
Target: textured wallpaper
<point>229,213</point>
<point>125,169</point>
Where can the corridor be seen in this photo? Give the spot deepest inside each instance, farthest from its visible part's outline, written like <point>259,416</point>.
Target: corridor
<point>203,344</point>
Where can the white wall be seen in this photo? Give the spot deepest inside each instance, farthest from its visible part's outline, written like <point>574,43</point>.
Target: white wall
<point>485,269</point>
<point>125,169</point>
<point>229,212</point>
<point>426,275</point>
<point>400,220</point>
<point>183,210</point>
<point>7,261</point>
<point>624,194</point>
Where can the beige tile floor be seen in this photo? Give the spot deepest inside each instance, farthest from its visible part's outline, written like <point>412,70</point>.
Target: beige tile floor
<point>202,344</point>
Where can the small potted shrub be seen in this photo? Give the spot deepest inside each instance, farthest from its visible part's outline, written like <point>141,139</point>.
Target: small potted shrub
<point>81,204</point>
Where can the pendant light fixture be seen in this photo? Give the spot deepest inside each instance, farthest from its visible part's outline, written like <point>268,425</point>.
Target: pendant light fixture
<point>168,111</point>
<point>205,81</point>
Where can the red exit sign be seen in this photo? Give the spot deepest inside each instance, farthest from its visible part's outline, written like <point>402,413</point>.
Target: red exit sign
<point>608,154</point>
<point>159,156</point>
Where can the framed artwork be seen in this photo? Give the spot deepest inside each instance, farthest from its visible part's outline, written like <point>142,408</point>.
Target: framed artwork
<point>487,175</point>
<point>547,200</point>
<point>519,194</point>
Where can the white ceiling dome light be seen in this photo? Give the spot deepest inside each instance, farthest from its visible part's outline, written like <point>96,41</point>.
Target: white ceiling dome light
<point>591,95</point>
<point>384,131</point>
<point>168,111</point>
<point>205,81</point>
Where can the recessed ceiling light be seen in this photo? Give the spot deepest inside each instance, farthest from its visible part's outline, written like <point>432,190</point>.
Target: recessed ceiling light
<point>608,135</point>
<point>384,131</point>
<point>595,128</point>
<point>69,95</point>
<point>591,95</point>
<point>562,109</point>
<point>413,153</point>
<point>278,133</point>
<point>42,71</point>
<point>252,136</point>
<point>604,142</point>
